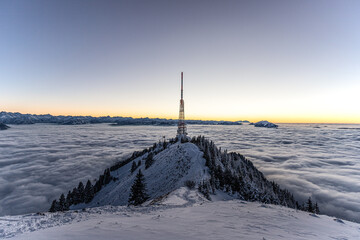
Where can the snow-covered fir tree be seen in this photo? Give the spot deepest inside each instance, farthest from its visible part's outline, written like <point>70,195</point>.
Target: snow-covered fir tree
<point>62,203</point>
<point>149,160</point>
<point>88,192</point>
<point>54,206</point>
<point>309,205</point>
<point>138,193</point>
<point>316,208</point>
<point>133,167</point>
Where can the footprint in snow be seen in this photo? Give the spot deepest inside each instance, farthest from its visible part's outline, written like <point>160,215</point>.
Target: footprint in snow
<point>339,220</point>
<point>265,206</point>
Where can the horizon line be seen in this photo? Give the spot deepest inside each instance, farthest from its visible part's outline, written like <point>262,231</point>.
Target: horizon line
<point>169,118</point>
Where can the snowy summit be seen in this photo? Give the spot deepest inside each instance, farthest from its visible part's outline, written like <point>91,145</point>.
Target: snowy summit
<point>168,166</point>
<point>265,124</point>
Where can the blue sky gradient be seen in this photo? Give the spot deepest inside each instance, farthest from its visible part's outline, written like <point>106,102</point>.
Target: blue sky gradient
<point>285,61</point>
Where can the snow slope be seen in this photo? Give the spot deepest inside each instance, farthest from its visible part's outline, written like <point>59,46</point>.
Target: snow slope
<point>183,214</point>
<point>171,168</point>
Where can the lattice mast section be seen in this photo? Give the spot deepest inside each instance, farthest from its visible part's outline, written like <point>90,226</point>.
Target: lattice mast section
<point>181,125</point>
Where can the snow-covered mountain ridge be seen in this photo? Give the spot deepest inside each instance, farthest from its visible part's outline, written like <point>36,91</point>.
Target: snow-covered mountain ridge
<point>167,166</point>
<point>171,167</point>
<point>19,118</point>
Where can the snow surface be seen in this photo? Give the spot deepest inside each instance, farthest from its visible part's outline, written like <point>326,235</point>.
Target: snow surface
<point>171,168</point>
<point>182,214</point>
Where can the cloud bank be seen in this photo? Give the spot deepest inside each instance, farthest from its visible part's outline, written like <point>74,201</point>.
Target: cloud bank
<point>39,162</point>
<point>318,161</point>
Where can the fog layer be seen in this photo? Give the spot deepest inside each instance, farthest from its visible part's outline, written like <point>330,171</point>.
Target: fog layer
<point>39,162</point>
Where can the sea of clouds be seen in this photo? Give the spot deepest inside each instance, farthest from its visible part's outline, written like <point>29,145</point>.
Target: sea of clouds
<point>39,162</point>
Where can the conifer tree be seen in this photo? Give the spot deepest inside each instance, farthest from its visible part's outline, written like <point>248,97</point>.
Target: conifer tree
<point>81,192</point>
<point>97,186</point>
<point>88,192</point>
<point>204,189</point>
<point>227,177</point>
<point>54,206</point>
<point>317,210</point>
<point>207,156</point>
<point>138,193</point>
<point>75,196</point>
<point>69,200</point>
<point>149,160</point>
<point>107,176</point>
<point>219,175</point>
<point>133,167</point>
<point>101,180</point>
<point>236,185</point>
<point>62,206</point>
<point>309,206</point>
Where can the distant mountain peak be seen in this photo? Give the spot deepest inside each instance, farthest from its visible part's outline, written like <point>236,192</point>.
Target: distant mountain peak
<point>265,124</point>
<point>18,118</point>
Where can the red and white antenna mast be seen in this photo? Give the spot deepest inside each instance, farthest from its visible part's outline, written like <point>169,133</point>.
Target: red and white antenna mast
<point>181,124</point>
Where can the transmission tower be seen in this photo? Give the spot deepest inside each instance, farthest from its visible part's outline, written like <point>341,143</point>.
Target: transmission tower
<point>181,125</point>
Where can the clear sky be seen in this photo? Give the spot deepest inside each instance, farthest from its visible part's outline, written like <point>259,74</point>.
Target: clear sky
<point>283,61</point>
